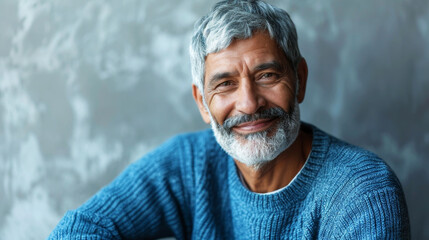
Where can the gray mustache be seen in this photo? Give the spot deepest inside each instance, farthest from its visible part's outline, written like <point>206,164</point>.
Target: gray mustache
<point>262,114</point>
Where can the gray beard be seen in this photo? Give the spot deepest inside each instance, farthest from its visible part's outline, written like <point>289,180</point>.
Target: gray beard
<point>257,149</point>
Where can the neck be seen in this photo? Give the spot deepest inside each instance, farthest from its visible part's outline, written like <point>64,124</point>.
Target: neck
<point>280,171</point>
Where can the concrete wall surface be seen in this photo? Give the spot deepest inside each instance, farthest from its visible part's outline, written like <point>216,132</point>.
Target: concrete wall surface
<point>87,87</point>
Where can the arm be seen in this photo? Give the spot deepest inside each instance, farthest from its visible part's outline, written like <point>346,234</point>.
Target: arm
<point>147,200</point>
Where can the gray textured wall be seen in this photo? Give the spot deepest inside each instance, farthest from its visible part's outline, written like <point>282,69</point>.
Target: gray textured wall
<point>86,87</point>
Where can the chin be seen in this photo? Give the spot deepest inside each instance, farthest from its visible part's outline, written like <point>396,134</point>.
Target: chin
<point>257,149</point>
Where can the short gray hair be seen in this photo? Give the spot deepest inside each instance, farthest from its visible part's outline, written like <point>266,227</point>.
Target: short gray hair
<point>239,19</point>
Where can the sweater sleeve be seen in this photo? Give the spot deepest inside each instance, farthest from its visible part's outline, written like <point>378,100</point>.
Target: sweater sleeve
<point>148,200</point>
<point>381,214</point>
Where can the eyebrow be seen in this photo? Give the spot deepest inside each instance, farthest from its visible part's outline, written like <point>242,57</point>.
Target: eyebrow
<point>219,76</point>
<point>269,65</point>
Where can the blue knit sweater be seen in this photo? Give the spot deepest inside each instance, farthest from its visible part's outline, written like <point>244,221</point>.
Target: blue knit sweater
<point>189,188</point>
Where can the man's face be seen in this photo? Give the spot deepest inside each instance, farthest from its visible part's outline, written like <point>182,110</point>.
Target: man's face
<point>250,99</point>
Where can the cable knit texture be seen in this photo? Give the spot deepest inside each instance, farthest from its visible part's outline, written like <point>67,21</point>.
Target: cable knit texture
<point>189,188</point>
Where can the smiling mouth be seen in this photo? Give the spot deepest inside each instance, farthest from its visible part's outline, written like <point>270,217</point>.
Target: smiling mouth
<point>254,126</point>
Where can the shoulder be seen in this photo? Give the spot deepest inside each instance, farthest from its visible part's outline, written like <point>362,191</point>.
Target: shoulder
<point>183,145</point>
<point>358,191</point>
<point>182,154</point>
<point>173,157</point>
<point>199,139</point>
<point>355,170</point>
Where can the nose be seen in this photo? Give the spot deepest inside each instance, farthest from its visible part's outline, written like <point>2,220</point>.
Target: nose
<point>248,98</point>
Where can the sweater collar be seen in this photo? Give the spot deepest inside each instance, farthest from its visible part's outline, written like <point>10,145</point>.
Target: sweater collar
<point>294,192</point>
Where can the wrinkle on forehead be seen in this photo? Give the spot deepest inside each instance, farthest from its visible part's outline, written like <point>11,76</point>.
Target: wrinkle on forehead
<point>242,55</point>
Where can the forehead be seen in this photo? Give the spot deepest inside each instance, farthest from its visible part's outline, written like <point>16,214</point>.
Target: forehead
<point>244,53</point>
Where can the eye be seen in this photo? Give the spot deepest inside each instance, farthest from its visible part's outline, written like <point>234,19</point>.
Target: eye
<point>269,76</point>
<point>225,84</point>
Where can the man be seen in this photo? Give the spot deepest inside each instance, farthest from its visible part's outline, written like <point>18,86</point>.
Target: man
<point>259,173</point>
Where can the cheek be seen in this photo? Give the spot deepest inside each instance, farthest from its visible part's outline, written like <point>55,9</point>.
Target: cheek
<point>281,95</point>
<point>221,108</point>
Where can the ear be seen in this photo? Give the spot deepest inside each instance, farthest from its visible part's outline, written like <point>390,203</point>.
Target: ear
<point>198,97</point>
<point>302,71</point>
